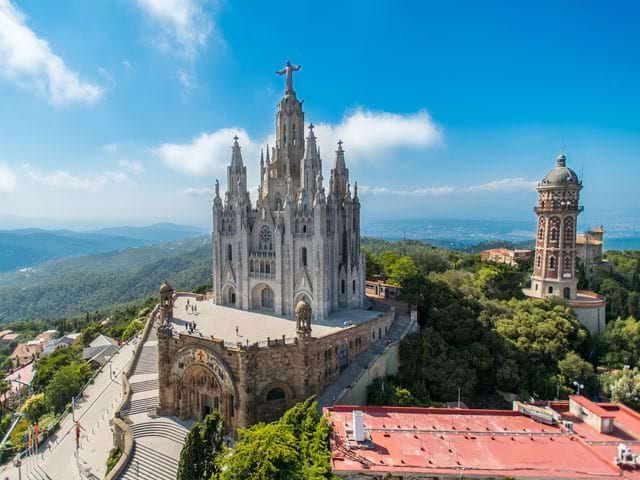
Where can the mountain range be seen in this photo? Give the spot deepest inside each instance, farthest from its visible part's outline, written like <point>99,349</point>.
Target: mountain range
<point>25,248</point>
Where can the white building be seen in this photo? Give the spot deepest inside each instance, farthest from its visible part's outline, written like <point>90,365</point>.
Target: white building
<point>296,242</point>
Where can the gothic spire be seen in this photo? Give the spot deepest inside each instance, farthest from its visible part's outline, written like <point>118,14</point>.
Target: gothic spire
<point>236,156</point>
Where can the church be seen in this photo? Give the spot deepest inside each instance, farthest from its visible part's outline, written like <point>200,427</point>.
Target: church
<point>288,317</point>
<point>297,242</point>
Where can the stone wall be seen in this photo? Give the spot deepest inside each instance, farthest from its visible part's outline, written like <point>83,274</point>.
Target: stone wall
<point>298,367</point>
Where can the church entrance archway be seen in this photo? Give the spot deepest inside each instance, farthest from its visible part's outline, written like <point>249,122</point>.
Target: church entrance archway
<point>200,393</point>
<point>263,298</point>
<point>567,293</point>
<point>229,296</point>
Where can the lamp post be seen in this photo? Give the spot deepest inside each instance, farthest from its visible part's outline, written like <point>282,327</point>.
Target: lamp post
<point>578,385</point>
<point>18,463</point>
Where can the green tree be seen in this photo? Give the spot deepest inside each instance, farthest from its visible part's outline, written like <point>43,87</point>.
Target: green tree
<point>34,407</point>
<point>294,447</point>
<point>263,452</point>
<point>194,455</point>
<point>200,449</point>
<point>374,267</point>
<point>624,387</point>
<point>400,270</point>
<point>573,368</point>
<point>65,384</point>
<point>622,340</point>
<point>500,282</point>
<point>47,366</point>
<point>132,329</point>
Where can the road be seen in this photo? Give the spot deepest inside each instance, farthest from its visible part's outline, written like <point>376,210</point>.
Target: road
<point>57,459</point>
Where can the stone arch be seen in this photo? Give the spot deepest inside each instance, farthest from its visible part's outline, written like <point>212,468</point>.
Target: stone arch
<point>282,386</point>
<point>229,295</point>
<point>263,297</point>
<point>203,382</point>
<point>302,295</point>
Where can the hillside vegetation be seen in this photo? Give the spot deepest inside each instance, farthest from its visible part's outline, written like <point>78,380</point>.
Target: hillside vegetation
<point>28,247</point>
<point>82,284</point>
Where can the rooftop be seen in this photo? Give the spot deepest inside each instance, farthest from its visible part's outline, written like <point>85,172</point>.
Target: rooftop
<point>17,378</point>
<point>255,326</point>
<point>485,443</point>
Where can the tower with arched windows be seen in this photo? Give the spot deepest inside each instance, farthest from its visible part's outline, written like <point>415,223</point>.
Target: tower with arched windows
<point>296,242</point>
<point>554,269</point>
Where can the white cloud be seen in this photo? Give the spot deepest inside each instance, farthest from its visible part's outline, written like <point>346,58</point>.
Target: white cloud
<point>127,64</point>
<point>505,184</point>
<point>208,154</point>
<point>198,192</point>
<point>371,135</point>
<point>94,182</point>
<point>7,179</point>
<point>184,27</point>
<point>518,183</point>
<point>28,60</point>
<point>111,147</point>
<point>418,192</point>
<point>133,166</point>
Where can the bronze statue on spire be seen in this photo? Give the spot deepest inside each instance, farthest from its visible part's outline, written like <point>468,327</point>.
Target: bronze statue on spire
<point>288,71</point>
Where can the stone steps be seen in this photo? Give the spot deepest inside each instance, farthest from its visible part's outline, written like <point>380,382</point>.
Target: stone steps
<point>144,386</point>
<point>140,405</point>
<point>149,464</point>
<point>161,429</point>
<point>38,474</point>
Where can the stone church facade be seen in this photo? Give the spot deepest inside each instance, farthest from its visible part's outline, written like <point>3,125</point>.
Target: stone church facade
<point>297,241</point>
<point>294,254</point>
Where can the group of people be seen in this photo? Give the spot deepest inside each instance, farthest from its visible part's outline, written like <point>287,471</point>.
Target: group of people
<point>193,308</point>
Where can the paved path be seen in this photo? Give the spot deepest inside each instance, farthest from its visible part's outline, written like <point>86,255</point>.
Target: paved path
<point>94,412</point>
<point>158,440</point>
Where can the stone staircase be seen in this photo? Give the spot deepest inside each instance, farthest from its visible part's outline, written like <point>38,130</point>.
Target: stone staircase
<point>157,441</point>
<point>162,429</point>
<point>350,374</point>
<point>149,464</point>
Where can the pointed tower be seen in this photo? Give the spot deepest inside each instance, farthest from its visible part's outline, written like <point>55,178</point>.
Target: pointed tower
<point>339,174</point>
<point>286,160</point>
<point>237,174</point>
<point>311,165</point>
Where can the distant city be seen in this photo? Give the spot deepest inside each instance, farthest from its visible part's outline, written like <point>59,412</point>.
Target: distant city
<point>621,234</point>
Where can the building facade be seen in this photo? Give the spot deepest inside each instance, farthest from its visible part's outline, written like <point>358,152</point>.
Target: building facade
<point>296,242</point>
<point>554,265</point>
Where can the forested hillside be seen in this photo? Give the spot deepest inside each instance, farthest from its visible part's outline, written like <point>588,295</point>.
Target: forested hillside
<point>82,284</point>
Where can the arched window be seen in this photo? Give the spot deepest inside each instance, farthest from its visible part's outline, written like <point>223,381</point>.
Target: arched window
<point>554,233</point>
<point>552,263</point>
<point>541,229</point>
<point>550,290</point>
<point>284,135</point>
<point>267,268</point>
<point>342,287</point>
<point>304,228</point>
<point>568,230</point>
<point>567,263</point>
<point>353,287</point>
<point>293,134</point>
<point>229,252</point>
<point>303,256</point>
<point>265,240</point>
<point>251,266</point>
<point>539,261</point>
<point>276,393</point>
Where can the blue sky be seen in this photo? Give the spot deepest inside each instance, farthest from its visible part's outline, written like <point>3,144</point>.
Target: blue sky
<point>123,111</point>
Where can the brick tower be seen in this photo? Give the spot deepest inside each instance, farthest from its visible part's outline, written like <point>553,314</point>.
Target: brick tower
<point>558,207</point>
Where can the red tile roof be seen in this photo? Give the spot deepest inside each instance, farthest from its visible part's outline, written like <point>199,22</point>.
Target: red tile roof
<point>454,442</point>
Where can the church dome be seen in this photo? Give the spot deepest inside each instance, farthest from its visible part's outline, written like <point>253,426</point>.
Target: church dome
<point>303,310</point>
<point>560,175</point>
<point>166,288</point>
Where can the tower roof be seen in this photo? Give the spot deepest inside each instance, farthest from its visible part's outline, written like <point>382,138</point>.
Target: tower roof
<point>236,156</point>
<point>560,175</point>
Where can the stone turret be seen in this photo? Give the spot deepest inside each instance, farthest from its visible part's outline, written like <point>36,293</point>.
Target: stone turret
<point>166,301</point>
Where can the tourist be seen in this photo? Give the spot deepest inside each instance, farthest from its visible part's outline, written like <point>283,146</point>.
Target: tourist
<point>237,331</point>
